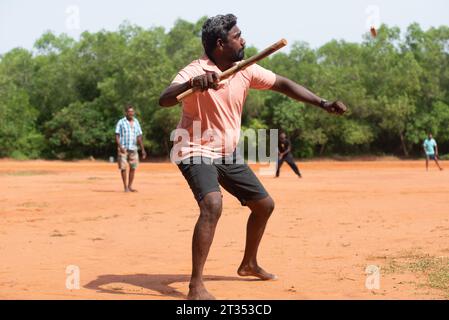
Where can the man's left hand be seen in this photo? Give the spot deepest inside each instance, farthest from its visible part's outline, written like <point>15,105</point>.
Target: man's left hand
<point>335,107</point>
<point>144,154</point>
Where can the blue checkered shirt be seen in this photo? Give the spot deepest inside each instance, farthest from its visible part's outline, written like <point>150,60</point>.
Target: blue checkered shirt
<point>128,135</point>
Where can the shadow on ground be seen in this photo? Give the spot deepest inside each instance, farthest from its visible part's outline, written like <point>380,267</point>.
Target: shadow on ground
<point>155,282</point>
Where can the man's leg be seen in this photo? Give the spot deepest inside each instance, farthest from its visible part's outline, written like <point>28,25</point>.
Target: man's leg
<point>210,212</point>
<point>122,160</point>
<point>131,179</point>
<point>122,164</point>
<point>427,163</point>
<point>260,213</point>
<point>436,161</point>
<point>292,164</point>
<point>240,181</point>
<point>279,165</point>
<point>123,173</point>
<point>133,159</point>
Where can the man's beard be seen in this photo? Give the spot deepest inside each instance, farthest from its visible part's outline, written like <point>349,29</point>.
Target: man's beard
<point>240,55</point>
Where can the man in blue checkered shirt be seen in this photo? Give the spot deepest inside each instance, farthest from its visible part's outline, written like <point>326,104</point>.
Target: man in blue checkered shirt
<point>127,134</point>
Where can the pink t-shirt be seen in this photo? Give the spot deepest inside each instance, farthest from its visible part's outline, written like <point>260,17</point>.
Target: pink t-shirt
<point>211,120</point>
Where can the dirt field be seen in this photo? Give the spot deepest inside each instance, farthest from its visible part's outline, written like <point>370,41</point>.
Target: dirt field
<point>326,229</point>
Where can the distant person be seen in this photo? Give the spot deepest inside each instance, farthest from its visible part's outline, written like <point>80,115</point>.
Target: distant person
<point>285,154</point>
<point>431,149</point>
<point>127,134</point>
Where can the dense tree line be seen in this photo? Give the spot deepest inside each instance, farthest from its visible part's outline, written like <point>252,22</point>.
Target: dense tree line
<point>63,98</point>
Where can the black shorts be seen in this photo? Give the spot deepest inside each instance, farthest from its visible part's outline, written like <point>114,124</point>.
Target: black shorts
<point>206,176</point>
<point>431,156</point>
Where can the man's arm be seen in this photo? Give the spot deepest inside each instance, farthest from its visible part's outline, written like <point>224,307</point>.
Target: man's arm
<point>117,141</point>
<point>202,82</point>
<point>140,141</point>
<point>298,92</point>
<point>168,96</point>
<point>436,149</point>
<point>282,154</point>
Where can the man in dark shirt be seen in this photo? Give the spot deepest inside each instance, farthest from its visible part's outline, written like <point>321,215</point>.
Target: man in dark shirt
<point>285,154</point>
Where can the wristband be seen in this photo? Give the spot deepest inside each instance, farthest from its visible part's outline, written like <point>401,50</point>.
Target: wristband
<point>323,103</point>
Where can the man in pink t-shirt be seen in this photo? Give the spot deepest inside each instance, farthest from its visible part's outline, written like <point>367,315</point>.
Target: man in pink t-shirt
<point>207,136</point>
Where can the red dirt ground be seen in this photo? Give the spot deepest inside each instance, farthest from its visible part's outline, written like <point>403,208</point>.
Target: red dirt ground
<point>326,229</point>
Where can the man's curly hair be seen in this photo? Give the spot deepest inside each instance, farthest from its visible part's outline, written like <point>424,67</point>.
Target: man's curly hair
<point>216,28</point>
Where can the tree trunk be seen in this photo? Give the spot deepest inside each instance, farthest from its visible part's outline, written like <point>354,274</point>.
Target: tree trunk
<point>404,147</point>
<point>166,149</point>
<point>323,146</point>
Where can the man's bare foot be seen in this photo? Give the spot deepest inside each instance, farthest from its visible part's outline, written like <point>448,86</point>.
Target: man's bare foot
<point>199,293</point>
<point>131,189</point>
<point>126,189</point>
<point>247,271</point>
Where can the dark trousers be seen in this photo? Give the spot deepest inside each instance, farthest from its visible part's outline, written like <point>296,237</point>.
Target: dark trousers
<point>291,162</point>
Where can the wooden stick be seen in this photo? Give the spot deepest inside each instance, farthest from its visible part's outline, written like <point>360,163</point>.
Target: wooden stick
<point>242,65</point>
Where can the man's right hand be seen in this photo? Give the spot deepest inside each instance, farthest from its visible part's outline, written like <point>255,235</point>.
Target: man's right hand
<point>205,81</point>
<point>122,150</point>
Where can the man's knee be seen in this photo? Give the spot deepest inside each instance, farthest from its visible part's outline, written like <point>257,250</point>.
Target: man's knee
<point>211,206</point>
<point>263,207</point>
<point>269,206</point>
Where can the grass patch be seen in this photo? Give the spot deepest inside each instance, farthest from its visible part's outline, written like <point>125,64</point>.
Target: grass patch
<point>31,204</point>
<point>433,270</point>
<point>26,173</point>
